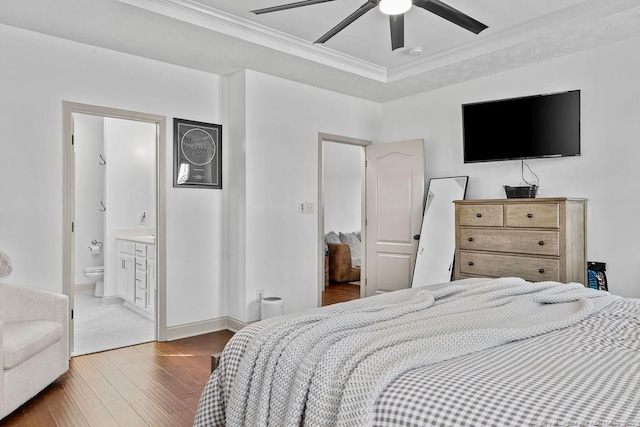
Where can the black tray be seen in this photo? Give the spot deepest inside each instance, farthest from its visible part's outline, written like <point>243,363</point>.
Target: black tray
<point>526,192</point>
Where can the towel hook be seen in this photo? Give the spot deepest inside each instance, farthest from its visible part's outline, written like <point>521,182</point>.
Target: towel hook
<point>103,162</point>
<point>104,208</point>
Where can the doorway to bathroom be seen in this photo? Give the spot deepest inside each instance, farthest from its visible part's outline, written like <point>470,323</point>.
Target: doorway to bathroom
<point>114,198</point>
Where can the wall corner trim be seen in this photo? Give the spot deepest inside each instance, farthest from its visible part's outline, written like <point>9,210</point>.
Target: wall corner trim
<point>235,325</point>
<point>204,327</point>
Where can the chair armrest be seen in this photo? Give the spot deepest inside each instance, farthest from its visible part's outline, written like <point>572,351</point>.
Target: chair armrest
<point>339,262</point>
<point>21,304</point>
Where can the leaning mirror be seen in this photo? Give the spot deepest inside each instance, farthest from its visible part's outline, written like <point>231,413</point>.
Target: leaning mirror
<point>436,249</point>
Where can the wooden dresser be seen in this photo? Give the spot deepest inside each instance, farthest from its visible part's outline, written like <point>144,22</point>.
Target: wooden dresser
<point>536,239</point>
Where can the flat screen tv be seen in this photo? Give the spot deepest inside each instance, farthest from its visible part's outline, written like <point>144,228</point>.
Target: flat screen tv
<point>522,128</point>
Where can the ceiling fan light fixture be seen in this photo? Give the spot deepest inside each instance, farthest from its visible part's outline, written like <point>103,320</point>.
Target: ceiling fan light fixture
<point>394,7</point>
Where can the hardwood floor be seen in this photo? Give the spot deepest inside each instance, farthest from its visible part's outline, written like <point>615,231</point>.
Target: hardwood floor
<point>340,292</point>
<point>152,384</point>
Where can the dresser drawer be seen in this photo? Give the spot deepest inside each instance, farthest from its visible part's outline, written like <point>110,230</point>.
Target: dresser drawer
<point>532,215</point>
<point>141,249</point>
<point>141,279</point>
<point>529,268</point>
<point>141,298</point>
<point>518,241</point>
<point>141,264</point>
<point>481,215</point>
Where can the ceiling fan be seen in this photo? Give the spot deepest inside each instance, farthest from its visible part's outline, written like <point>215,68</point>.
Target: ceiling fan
<point>395,9</point>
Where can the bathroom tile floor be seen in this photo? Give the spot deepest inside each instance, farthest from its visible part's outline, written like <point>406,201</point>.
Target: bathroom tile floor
<point>104,327</point>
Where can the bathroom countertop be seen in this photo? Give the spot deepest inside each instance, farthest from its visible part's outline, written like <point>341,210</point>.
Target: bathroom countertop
<point>151,240</point>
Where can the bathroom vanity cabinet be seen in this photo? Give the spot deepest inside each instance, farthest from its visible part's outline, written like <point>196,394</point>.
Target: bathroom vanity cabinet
<point>136,275</point>
<point>126,270</point>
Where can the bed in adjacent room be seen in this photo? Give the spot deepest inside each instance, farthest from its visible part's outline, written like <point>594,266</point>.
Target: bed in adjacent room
<point>471,352</point>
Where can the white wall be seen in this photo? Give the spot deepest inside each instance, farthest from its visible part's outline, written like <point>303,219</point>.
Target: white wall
<point>274,142</point>
<point>235,199</point>
<point>38,72</point>
<point>609,80</point>
<point>90,175</point>
<point>342,187</point>
<point>283,119</point>
<point>130,148</point>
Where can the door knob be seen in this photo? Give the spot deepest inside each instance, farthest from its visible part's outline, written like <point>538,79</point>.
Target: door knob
<point>416,237</point>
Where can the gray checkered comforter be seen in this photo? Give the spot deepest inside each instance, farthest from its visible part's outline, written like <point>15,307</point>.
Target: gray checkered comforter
<point>585,374</point>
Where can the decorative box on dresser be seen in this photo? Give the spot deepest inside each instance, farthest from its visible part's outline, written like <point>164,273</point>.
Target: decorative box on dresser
<point>536,239</point>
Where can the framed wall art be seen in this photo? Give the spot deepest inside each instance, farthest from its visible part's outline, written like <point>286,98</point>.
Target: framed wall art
<point>197,154</point>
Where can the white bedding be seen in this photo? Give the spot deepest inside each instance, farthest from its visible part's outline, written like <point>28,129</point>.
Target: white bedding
<point>331,366</point>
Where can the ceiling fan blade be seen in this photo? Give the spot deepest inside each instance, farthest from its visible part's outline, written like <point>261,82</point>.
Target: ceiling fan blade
<point>451,15</point>
<point>288,6</point>
<point>397,31</point>
<point>349,20</point>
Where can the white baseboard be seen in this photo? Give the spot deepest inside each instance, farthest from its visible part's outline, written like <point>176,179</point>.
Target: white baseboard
<point>235,325</point>
<point>109,300</point>
<point>203,327</point>
<point>84,287</point>
<point>137,309</point>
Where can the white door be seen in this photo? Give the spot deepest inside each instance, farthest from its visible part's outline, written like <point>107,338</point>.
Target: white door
<point>395,195</point>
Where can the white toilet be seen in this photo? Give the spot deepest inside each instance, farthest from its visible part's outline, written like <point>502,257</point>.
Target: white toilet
<point>96,274</point>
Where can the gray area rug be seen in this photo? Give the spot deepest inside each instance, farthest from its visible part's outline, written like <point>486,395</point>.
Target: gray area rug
<point>104,327</point>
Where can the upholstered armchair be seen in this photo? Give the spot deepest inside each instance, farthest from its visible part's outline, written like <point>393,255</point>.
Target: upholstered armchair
<point>340,266</point>
<point>34,343</point>
<point>342,257</point>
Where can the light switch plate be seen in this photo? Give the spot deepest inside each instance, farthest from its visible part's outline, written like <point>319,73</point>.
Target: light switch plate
<point>306,208</point>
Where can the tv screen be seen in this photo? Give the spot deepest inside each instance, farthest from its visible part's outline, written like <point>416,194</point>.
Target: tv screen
<point>522,128</point>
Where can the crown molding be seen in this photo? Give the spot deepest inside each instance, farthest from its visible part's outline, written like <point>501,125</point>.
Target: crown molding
<point>582,14</point>
<point>216,20</point>
<point>583,18</point>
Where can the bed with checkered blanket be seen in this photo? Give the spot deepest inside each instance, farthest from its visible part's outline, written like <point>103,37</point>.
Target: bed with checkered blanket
<point>472,352</point>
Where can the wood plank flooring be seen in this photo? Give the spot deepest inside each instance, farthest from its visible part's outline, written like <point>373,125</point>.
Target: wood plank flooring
<point>152,384</point>
<point>340,292</point>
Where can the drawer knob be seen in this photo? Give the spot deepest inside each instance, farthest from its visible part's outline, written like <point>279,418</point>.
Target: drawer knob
<point>529,215</point>
<point>478,215</point>
<point>541,242</point>
<point>541,271</point>
<point>470,239</point>
<point>470,262</point>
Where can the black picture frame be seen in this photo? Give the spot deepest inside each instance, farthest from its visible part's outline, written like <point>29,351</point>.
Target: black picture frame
<point>197,154</point>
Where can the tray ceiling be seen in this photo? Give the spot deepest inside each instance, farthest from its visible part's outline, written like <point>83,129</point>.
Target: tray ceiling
<point>222,36</point>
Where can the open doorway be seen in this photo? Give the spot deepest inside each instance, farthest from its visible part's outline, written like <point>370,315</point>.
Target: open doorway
<point>341,218</point>
<point>114,227</point>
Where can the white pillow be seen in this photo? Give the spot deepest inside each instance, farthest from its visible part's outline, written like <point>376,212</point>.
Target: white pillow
<point>331,237</point>
<point>352,240</point>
